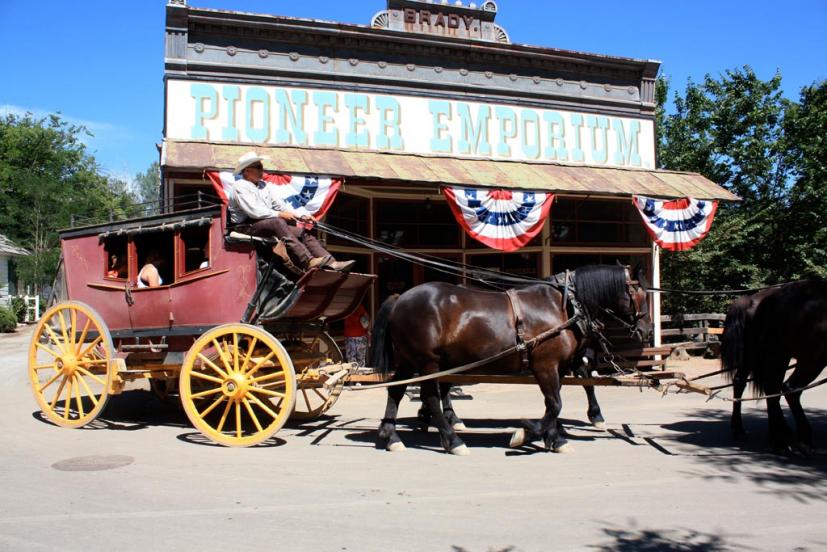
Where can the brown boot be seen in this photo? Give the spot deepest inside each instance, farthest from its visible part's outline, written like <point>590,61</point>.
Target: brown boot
<point>341,266</point>
<point>318,262</point>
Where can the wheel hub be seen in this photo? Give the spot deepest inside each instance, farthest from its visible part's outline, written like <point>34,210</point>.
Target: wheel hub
<point>67,364</point>
<point>235,387</point>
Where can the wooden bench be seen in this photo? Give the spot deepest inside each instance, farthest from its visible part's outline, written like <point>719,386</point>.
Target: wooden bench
<point>693,332</point>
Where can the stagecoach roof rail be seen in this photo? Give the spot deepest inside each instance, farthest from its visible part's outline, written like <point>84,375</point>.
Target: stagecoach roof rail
<point>164,227</point>
<point>176,204</point>
<point>171,217</point>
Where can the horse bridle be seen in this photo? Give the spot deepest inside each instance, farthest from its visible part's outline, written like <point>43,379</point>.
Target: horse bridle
<point>638,315</point>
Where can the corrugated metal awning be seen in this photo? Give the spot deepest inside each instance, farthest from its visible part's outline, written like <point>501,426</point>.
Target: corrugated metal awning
<point>452,171</point>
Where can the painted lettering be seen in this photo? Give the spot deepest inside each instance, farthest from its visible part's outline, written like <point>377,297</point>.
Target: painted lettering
<point>599,132</point>
<point>530,133</point>
<point>507,123</point>
<point>577,151</point>
<point>202,93</point>
<point>473,137</point>
<point>390,117</point>
<point>291,111</point>
<point>556,132</point>
<point>356,138</point>
<point>440,109</point>
<point>323,136</point>
<point>256,99</point>
<point>627,152</point>
<point>231,96</point>
<point>410,15</point>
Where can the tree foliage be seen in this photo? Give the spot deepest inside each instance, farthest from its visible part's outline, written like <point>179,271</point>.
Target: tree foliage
<point>48,180</point>
<point>738,131</point>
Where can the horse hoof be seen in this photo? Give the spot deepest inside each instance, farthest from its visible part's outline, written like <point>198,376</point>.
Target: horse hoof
<point>564,448</point>
<point>517,439</point>
<point>461,450</point>
<point>459,426</point>
<point>398,446</point>
<point>599,425</point>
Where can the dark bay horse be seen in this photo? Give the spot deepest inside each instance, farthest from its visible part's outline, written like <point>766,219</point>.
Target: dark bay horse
<point>437,326</point>
<point>762,332</point>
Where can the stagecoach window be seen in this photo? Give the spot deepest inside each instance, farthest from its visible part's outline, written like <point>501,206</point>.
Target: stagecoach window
<point>195,245</point>
<point>158,248</point>
<point>417,223</point>
<point>115,258</point>
<point>579,221</point>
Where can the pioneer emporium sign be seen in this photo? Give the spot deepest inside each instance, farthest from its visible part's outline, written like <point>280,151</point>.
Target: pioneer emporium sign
<point>314,117</point>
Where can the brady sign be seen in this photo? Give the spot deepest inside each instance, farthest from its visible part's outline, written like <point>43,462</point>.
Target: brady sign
<point>269,115</point>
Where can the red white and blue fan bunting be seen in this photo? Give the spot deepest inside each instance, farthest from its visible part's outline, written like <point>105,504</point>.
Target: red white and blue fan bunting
<point>679,224</point>
<point>306,194</point>
<point>501,219</point>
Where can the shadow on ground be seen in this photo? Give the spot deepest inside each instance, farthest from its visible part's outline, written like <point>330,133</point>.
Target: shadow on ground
<point>721,458</point>
<point>632,538</point>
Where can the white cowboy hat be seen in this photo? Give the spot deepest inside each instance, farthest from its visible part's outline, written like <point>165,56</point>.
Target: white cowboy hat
<point>248,159</point>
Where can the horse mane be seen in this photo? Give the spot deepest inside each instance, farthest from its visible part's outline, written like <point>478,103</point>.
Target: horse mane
<point>599,286</point>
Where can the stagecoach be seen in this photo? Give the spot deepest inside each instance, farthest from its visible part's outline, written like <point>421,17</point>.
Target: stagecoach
<point>242,342</point>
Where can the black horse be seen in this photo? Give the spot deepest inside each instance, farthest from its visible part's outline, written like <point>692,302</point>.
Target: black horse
<point>762,333</point>
<point>437,326</point>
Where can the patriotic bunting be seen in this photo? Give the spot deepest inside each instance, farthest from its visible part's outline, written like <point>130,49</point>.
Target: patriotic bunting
<point>306,194</point>
<point>501,219</point>
<point>676,225</point>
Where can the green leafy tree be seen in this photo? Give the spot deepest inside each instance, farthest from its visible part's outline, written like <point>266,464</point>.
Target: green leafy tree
<point>47,182</point>
<point>730,129</point>
<point>147,185</point>
<point>805,216</point>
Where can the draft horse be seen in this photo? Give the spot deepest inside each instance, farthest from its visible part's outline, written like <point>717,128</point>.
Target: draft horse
<point>438,326</point>
<point>762,333</point>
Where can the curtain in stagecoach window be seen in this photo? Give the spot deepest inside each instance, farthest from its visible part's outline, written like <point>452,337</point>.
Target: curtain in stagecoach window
<point>501,219</point>
<point>679,224</point>
<point>306,194</point>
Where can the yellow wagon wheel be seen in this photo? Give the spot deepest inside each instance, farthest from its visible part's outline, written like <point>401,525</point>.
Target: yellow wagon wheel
<point>237,385</point>
<point>313,400</point>
<point>70,364</point>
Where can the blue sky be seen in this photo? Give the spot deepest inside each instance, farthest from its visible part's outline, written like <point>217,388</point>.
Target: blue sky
<point>100,62</point>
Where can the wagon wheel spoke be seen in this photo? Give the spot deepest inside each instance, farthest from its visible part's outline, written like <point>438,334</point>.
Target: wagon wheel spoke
<point>91,346</point>
<point>306,399</point>
<point>89,393</point>
<point>86,372</point>
<point>252,414</point>
<point>212,406</point>
<point>82,337</point>
<point>50,382</point>
<point>263,406</point>
<point>249,354</point>
<point>267,392</point>
<point>268,377</point>
<point>73,325</point>
<point>224,416</point>
<point>199,375</point>
<point>54,338</point>
<point>320,394</point>
<point>235,353</point>
<point>68,398</point>
<point>260,363</point>
<point>238,419</point>
<point>63,327</point>
<point>206,393</point>
<point>212,365</point>
<point>78,396</point>
<point>59,393</point>
<point>48,350</point>
<point>39,367</point>
<point>224,360</point>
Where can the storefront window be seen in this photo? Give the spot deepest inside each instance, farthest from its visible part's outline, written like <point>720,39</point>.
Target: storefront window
<point>351,213</point>
<point>586,221</point>
<point>419,223</point>
<point>520,264</point>
<point>565,261</point>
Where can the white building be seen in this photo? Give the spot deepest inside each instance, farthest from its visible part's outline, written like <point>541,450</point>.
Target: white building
<point>7,251</point>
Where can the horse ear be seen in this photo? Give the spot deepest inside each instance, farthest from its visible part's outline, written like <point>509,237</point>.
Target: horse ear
<point>640,275</point>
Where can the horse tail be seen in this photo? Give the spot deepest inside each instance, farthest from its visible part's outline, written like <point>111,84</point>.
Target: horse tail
<point>733,339</point>
<point>381,344</point>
